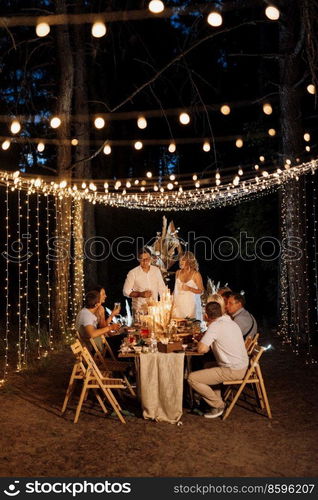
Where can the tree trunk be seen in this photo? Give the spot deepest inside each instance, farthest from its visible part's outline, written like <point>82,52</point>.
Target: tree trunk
<point>63,213</point>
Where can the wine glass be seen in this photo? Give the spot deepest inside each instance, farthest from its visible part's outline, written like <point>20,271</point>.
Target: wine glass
<point>184,347</point>
<point>117,305</point>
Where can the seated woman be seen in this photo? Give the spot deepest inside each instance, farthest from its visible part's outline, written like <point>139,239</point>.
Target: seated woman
<point>188,289</point>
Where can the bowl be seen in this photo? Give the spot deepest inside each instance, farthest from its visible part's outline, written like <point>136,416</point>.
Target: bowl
<point>137,348</point>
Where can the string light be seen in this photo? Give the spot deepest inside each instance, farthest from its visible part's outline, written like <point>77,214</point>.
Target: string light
<point>99,122</point>
<point>272,132</point>
<point>172,147</point>
<point>15,127</point>
<point>311,89</point>
<point>272,13</point>
<point>40,147</point>
<point>107,149</point>
<point>206,146</point>
<point>267,108</point>
<point>172,177</point>
<point>149,175</point>
<point>38,274</point>
<point>7,329</point>
<point>239,143</point>
<point>55,122</point>
<point>48,283</point>
<point>138,145</point>
<point>184,118</point>
<point>74,142</point>
<point>225,109</point>
<point>156,6</point>
<point>142,122</point>
<point>215,19</point>
<point>307,148</point>
<point>5,145</point>
<point>19,364</point>
<point>99,29</point>
<point>307,137</point>
<point>26,293</point>
<point>42,29</point>
<point>262,159</point>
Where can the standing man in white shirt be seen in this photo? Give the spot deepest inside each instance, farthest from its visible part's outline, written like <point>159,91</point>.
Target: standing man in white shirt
<point>143,282</point>
<point>225,339</point>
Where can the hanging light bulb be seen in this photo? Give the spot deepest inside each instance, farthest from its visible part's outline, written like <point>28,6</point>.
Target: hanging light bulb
<point>99,122</point>
<point>42,29</point>
<point>256,167</point>
<point>239,143</point>
<point>128,184</point>
<point>215,19</point>
<point>225,109</point>
<point>267,108</point>
<point>172,177</point>
<point>217,175</point>
<point>308,148</point>
<point>271,132</point>
<point>74,142</point>
<point>272,13</point>
<point>184,118</point>
<point>107,149</point>
<point>41,147</point>
<point>15,127</point>
<point>236,180</point>
<point>138,145</point>
<point>142,122</point>
<point>197,184</point>
<point>5,145</point>
<point>63,184</point>
<point>155,188</point>
<point>206,146</point>
<point>311,89</point>
<point>170,186</point>
<point>172,147</point>
<point>262,158</point>
<point>195,177</point>
<point>307,137</point>
<point>156,6</point>
<point>99,29</point>
<point>149,175</point>
<point>240,171</point>
<point>55,122</point>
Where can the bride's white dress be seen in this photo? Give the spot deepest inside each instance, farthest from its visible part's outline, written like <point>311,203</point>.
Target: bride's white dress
<point>186,304</point>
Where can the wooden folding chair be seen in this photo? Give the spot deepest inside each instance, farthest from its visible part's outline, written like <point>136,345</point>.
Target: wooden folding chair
<point>253,376</point>
<point>111,365</point>
<point>250,343</point>
<point>86,370</point>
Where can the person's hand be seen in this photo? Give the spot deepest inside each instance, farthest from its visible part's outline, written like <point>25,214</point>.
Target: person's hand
<point>146,294</point>
<point>100,313</point>
<point>114,327</point>
<point>116,311</point>
<point>186,288</point>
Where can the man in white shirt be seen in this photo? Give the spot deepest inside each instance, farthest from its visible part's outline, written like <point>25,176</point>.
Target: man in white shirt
<point>143,282</point>
<point>225,339</point>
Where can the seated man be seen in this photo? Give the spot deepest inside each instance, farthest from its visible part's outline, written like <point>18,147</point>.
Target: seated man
<point>87,322</point>
<point>244,319</point>
<point>225,339</point>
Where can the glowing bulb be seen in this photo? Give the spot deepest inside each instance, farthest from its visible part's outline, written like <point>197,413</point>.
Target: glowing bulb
<point>256,167</point>
<point>107,149</point>
<point>195,177</point>
<point>149,175</point>
<point>239,143</point>
<point>5,145</point>
<point>262,158</point>
<point>106,185</point>
<point>215,19</point>
<point>138,145</point>
<point>206,146</point>
<point>92,186</point>
<point>172,177</point>
<point>99,29</point>
<point>240,171</point>
<point>156,6</point>
<point>55,122</point>
<point>172,147</point>
<point>218,182</point>
<point>63,184</point>
<point>217,175</point>
<point>15,127</point>
<point>74,142</point>
<point>265,173</point>
<point>307,148</point>
<point>170,186</point>
<point>142,122</point>
<point>225,109</point>
<point>267,108</point>
<point>99,122</point>
<point>197,184</point>
<point>236,180</point>
<point>311,89</point>
<point>307,137</point>
<point>272,13</point>
<point>128,184</point>
<point>184,118</point>
<point>272,132</point>
<point>155,188</point>
<point>40,147</point>
<point>136,182</point>
<point>42,29</point>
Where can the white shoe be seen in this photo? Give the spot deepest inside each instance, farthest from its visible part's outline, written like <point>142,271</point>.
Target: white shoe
<point>214,412</point>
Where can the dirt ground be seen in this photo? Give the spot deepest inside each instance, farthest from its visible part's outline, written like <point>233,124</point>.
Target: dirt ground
<point>37,441</point>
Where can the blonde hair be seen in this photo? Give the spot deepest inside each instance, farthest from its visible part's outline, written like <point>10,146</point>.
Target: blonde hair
<point>192,261</point>
<point>216,297</point>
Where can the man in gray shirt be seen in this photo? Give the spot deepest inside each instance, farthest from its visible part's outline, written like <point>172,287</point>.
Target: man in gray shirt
<point>236,309</point>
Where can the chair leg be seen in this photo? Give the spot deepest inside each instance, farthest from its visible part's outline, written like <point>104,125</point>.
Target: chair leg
<point>109,396</point>
<point>259,395</point>
<point>81,400</point>
<point>230,407</point>
<point>131,390</point>
<point>99,399</point>
<point>261,381</point>
<point>69,389</point>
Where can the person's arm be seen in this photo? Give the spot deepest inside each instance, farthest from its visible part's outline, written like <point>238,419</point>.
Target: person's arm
<point>100,314</point>
<point>96,332</point>
<point>206,341</point>
<point>128,290</point>
<point>197,278</point>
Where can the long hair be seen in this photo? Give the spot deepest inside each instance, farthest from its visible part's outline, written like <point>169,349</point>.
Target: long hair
<point>191,260</point>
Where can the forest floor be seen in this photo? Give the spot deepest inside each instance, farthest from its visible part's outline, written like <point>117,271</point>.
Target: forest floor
<point>37,441</point>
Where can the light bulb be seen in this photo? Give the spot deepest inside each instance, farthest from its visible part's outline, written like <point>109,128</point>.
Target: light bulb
<point>195,177</point>
<point>42,29</point>
<point>128,184</point>
<point>308,148</point>
<point>74,142</point>
<point>170,186</point>
<point>184,118</point>
<point>239,143</point>
<point>206,146</point>
<point>99,122</point>
<point>262,158</point>
<point>156,6</point>
<point>55,122</point>
<point>272,13</point>
<point>307,137</point>
<point>138,145</point>
<point>5,145</point>
<point>172,177</point>
<point>217,175</point>
<point>271,132</point>
<point>99,29</point>
<point>240,171</point>
<point>107,149</point>
<point>15,127</point>
<point>311,89</point>
<point>215,19</point>
<point>40,147</point>
<point>225,109</point>
<point>155,188</point>
<point>142,122</point>
<point>267,108</point>
<point>172,147</point>
<point>149,175</point>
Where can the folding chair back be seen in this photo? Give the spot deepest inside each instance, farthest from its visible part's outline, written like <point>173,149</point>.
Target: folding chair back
<point>250,343</point>
<point>253,376</point>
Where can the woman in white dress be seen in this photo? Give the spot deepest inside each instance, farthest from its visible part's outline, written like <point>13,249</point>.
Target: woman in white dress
<point>188,289</point>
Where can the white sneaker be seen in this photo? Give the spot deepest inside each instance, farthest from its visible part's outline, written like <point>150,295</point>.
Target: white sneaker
<point>214,412</point>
